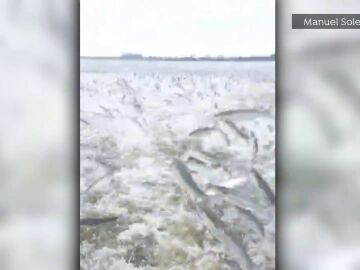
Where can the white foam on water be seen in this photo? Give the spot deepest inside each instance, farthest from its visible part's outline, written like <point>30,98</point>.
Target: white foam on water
<point>137,123</point>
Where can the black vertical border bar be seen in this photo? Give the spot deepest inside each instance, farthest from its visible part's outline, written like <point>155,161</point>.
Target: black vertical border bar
<point>76,94</point>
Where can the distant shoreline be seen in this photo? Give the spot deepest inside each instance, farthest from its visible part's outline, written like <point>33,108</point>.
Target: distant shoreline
<point>185,59</point>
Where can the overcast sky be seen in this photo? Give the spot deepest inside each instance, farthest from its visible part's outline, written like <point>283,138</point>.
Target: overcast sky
<point>177,27</point>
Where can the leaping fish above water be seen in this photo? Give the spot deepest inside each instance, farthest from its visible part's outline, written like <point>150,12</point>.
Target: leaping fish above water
<point>188,180</point>
<point>84,121</point>
<point>202,130</point>
<point>260,216</point>
<point>232,237</point>
<point>237,130</point>
<point>96,221</point>
<point>264,186</point>
<point>249,137</point>
<point>246,114</point>
<point>207,130</point>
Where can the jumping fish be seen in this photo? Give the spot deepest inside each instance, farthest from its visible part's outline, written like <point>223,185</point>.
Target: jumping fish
<point>206,130</point>
<point>96,221</point>
<point>250,138</point>
<point>188,180</point>
<point>232,240</point>
<point>246,114</point>
<point>255,143</point>
<point>202,130</point>
<point>239,199</point>
<point>84,121</point>
<point>231,237</point>
<point>264,186</point>
<point>237,130</point>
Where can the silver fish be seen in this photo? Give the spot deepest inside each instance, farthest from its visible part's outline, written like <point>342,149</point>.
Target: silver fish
<point>245,114</point>
<point>232,238</point>
<point>201,131</point>
<point>96,221</point>
<point>188,180</point>
<point>206,130</point>
<point>263,185</point>
<point>237,130</point>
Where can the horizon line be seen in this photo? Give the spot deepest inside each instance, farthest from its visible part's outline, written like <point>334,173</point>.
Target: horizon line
<point>137,56</point>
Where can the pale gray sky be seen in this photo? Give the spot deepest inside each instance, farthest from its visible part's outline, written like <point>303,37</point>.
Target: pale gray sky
<point>177,27</point>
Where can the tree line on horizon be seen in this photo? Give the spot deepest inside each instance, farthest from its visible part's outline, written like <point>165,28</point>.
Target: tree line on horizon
<point>135,56</point>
